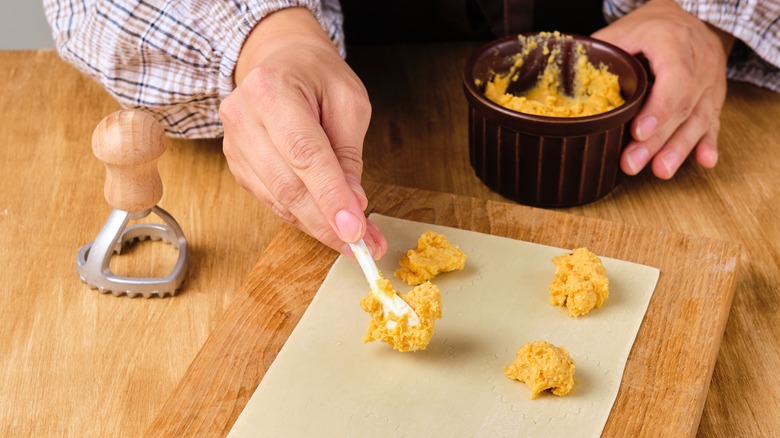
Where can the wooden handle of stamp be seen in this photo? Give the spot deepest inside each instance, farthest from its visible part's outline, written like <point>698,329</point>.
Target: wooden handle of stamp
<point>129,142</point>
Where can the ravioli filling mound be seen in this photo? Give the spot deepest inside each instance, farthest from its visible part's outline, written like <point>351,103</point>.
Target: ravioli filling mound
<point>580,282</point>
<point>542,366</point>
<point>433,255</point>
<point>424,299</point>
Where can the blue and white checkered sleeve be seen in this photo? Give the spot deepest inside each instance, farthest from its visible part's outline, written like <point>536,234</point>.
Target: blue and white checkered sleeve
<point>174,59</point>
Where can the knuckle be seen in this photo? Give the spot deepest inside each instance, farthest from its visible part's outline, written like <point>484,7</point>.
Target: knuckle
<point>681,109</point>
<point>263,81</point>
<point>683,72</point>
<point>283,212</point>
<point>702,119</point>
<point>230,112</point>
<point>665,102</point>
<point>302,149</point>
<point>715,126</point>
<point>228,151</point>
<point>350,157</point>
<point>327,193</point>
<point>288,190</point>
<point>356,104</point>
<point>359,103</point>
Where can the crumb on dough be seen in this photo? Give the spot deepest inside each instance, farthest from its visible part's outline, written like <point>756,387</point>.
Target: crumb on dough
<point>433,255</point>
<point>580,282</point>
<point>541,366</point>
<point>425,300</point>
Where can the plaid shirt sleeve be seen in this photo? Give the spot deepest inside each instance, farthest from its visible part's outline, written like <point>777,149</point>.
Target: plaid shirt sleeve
<point>173,59</point>
<point>755,58</point>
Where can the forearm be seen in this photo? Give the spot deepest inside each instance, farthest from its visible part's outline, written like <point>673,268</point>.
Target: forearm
<point>281,30</point>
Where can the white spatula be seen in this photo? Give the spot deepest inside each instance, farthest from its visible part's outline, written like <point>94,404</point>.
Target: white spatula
<point>390,303</point>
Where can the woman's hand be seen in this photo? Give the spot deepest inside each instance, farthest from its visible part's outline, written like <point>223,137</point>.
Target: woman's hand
<point>294,129</point>
<point>682,111</point>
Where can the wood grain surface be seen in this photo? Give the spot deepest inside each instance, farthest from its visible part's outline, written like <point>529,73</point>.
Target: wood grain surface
<point>667,375</point>
<point>74,362</point>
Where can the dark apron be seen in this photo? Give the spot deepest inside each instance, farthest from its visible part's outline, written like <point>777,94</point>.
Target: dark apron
<point>404,21</point>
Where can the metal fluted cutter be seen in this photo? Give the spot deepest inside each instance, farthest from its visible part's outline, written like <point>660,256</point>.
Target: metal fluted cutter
<point>129,143</point>
<point>92,261</point>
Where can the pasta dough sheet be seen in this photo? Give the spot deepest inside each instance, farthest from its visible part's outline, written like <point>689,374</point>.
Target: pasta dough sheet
<point>327,382</point>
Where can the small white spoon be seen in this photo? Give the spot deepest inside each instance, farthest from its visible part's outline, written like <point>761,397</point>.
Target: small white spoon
<point>392,303</point>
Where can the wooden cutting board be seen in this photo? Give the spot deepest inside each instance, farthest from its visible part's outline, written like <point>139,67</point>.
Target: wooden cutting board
<point>668,372</point>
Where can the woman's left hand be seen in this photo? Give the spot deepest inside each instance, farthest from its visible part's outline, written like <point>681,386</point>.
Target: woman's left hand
<point>682,111</point>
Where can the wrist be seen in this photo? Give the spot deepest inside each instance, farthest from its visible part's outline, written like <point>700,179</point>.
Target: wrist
<point>280,30</point>
<point>726,39</point>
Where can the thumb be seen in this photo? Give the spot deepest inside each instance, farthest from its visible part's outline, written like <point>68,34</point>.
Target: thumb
<point>346,129</point>
<point>621,33</point>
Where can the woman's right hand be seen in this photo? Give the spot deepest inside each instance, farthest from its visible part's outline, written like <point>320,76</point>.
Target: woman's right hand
<point>294,129</point>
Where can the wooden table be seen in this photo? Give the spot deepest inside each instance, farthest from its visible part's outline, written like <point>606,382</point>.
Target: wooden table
<point>74,362</point>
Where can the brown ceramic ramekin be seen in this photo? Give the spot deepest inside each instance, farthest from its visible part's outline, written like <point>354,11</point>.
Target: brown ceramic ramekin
<point>549,161</point>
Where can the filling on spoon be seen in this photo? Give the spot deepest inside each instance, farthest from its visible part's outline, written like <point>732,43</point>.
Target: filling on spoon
<point>394,329</point>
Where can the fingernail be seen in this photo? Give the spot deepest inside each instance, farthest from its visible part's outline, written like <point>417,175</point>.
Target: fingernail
<point>646,127</point>
<point>348,226</point>
<point>671,161</point>
<point>637,159</point>
<point>354,184</point>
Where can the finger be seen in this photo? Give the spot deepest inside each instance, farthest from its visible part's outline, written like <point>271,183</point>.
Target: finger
<point>357,189</point>
<point>668,106</point>
<point>345,119</point>
<point>246,177</point>
<point>376,243</point>
<point>261,170</point>
<point>303,145</point>
<point>674,93</point>
<point>379,242</point>
<point>707,149</point>
<point>638,154</point>
<point>346,113</point>
<point>260,167</point>
<point>634,158</point>
<point>346,129</point>
<point>288,197</point>
<point>691,133</point>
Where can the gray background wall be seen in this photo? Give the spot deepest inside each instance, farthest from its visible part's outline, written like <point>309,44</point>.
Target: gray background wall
<point>23,25</point>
